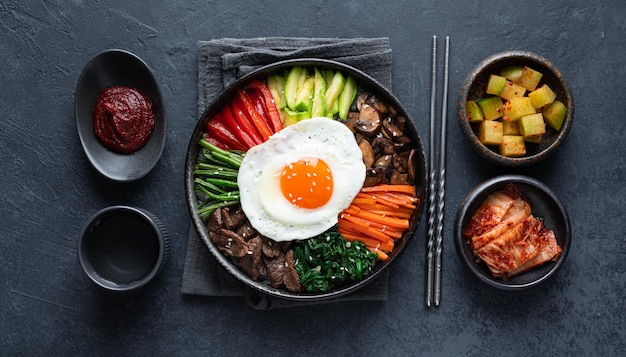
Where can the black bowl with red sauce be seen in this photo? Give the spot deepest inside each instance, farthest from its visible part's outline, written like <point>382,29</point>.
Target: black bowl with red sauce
<point>129,161</point>
<point>545,205</point>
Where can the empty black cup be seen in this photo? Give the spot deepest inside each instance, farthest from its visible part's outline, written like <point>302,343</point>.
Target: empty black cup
<point>123,248</point>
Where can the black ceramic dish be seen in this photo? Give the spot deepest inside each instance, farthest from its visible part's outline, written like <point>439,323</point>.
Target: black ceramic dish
<point>474,88</point>
<point>123,248</point>
<point>364,81</point>
<point>118,67</point>
<point>544,204</point>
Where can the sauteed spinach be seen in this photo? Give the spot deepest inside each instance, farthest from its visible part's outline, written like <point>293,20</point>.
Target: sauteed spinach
<point>329,260</point>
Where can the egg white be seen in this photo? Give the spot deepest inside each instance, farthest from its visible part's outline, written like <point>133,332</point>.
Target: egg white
<point>262,200</point>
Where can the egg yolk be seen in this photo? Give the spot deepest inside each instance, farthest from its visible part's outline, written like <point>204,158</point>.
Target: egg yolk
<point>307,183</point>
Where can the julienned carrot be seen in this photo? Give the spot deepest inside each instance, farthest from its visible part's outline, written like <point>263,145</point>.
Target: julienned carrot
<point>363,227</point>
<point>381,255</point>
<point>390,188</point>
<point>380,207</point>
<point>386,213</point>
<point>369,242</point>
<point>390,198</point>
<point>388,221</point>
<point>364,201</point>
<point>378,216</point>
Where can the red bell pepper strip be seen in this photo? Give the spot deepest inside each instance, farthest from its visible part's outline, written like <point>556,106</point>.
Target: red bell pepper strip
<point>231,124</point>
<point>217,130</point>
<point>217,143</point>
<point>240,116</point>
<point>255,117</point>
<point>259,105</point>
<point>270,104</point>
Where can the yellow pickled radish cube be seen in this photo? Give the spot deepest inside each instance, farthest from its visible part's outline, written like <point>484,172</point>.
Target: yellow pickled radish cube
<point>512,146</point>
<point>532,127</point>
<point>474,114</point>
<point>490,132</point>
<point>512,90</point>
<point>517,107</point>
<point>542,96</point>
<point>491,107</point>
<point>510,128</point>
<point>554,114</point>
<point>529,78</point>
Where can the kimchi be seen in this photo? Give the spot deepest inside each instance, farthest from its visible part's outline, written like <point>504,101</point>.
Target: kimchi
<point>505,235</point>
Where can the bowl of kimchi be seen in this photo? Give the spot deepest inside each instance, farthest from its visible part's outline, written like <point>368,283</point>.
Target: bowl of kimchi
<point>512,232</point>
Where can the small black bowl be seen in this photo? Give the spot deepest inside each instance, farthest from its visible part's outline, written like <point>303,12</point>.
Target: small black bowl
<point>474,88</point>
<point>118,67</point>
<point>544,205</point>
<point>123,248</point>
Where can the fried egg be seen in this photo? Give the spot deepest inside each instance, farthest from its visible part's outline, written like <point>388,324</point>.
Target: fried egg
<point>295,184</point>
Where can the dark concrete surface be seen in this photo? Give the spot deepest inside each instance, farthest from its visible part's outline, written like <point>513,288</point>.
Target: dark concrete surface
<point>48,189</point>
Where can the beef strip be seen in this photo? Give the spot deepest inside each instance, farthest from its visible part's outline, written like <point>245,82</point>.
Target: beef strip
<point>230,243</point>
<point>290,276</point>
<point>233,219</point>
<point>246,231</point>
<point>271,249</point>
<point>275,270</point>
<point>250,262</point>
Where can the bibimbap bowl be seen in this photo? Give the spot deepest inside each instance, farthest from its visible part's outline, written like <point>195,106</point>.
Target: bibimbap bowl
<point>395,159</point>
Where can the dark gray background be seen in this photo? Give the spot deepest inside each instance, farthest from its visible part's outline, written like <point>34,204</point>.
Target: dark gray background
<point>48,189</point>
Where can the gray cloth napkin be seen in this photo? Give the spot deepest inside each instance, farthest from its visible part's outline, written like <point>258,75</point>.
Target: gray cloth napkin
<point>220,63</point>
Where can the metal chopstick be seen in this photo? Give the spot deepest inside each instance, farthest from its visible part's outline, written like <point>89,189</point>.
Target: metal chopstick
<point>430,270</point>
<point>436,184</point>
<point>442,177</point>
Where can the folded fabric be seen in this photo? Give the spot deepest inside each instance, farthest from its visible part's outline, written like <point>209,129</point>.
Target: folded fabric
<point>220,63</point>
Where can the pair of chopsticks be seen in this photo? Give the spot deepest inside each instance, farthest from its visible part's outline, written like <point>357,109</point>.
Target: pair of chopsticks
<point>436,183</point>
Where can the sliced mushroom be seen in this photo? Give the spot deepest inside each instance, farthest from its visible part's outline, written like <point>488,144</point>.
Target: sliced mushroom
<point>373,177</point>
<point>401,142</point>
<point>401,122</point>
<point>383,145</point>
<point>377,104</point>
<point>392,111</point>
<point>411,164</point>
<point>400,162</point>
<point>353,117</point>
<point>369,121</point>
<point>391,129</point>
<point>383,162</point>
<point>368,153</point>
<point>398,178</point>
<point>358,137</point>
<point>360,100</point>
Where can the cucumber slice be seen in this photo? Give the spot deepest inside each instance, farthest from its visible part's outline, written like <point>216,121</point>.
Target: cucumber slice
<point>347,96</point>
<point>276,84</point>
<point>335,86</point>
<point>318,108</point>
<point>333,110</point>
<point>304,98</point>
<point>328,75</point>
<point>293,116</point>
<point>292,84</point>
